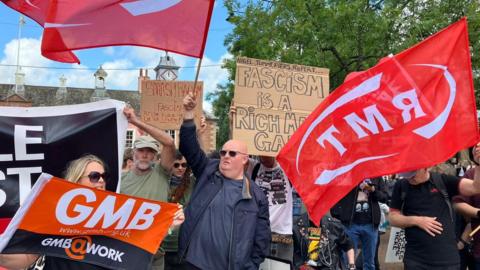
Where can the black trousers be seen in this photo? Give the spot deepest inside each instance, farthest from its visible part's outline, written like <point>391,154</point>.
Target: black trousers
<point>188,266</point>
<point>171,261</point>
<point>414,265</point>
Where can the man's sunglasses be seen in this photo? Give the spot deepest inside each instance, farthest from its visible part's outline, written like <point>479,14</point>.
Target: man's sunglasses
<point>95,176</point>
<point>177,165</point>
<point>231,153</point>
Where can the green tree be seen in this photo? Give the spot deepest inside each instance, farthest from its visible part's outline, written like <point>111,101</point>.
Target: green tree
<point>341,35</point>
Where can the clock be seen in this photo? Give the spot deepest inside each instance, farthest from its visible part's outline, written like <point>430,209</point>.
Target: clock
<point>169,75</point>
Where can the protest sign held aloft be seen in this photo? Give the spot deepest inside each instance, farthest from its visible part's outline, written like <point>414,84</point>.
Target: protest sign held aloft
<point>272,99</point>
<point>45,139</point>
<point>68,220</point>
<point>162,102</point>
<point>412,110</point>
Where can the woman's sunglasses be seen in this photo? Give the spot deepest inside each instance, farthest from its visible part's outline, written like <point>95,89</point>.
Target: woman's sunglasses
<point>95,176</point>
<point>177,165</point>
<point>231,153</point>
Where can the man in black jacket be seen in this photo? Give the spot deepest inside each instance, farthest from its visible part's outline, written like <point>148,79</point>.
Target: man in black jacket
<point>359,212</point>
<point>227,220</point>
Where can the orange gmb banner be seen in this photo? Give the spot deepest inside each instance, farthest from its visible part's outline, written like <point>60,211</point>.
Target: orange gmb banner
<point>68,220</point>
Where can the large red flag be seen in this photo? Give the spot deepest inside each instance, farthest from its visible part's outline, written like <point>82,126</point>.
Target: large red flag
<point>411,111</point>
<point>179,26</point>
<point>37,10</point>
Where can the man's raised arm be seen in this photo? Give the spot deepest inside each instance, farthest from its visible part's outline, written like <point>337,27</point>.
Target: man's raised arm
<point>189,145</point>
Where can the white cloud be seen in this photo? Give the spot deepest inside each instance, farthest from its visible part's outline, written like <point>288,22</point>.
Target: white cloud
<point>110,51</point>
<point>122,72</point>
<point>121,79</point>
<point>29,56</point>
<point>212,74</point>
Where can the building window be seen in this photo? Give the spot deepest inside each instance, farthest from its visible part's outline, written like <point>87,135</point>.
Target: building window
<point>130,138</point>
<point>171,132</point>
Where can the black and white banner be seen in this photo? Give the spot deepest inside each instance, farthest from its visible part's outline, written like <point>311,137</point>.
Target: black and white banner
<point>45,139</point>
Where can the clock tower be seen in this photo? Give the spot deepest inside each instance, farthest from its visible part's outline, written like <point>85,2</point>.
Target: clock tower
<point>166,69</point>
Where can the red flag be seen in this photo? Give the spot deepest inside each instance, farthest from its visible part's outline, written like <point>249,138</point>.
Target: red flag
<point>179,26</point>
<point>411,111</point>
<point>34,9</point>
<point>37,10</point>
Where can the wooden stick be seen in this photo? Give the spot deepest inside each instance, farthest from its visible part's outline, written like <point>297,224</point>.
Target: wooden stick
<point>196,78</point>
<point>474,231</point>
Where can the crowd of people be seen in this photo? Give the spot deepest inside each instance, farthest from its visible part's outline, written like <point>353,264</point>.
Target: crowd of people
<point>235,210</point>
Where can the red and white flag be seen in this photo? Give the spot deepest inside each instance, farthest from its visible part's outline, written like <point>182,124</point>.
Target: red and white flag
<point>179,26</point>
<point>412,110</point>
<point>34,9</point>
<point>37,10</point>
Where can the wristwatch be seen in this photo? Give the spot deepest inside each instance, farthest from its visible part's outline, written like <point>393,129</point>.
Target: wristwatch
<point>351,266</point>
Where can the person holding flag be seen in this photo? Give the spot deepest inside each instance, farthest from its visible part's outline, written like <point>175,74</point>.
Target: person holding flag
<point>88,171</point>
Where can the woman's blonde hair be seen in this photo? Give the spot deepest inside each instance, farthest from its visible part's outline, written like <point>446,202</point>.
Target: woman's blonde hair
<point>76,167</point>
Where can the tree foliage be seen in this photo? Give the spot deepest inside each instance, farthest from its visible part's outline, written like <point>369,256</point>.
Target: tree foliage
<point>341,35</point>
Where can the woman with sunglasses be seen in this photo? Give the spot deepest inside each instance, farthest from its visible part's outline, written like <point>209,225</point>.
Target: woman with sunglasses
<point>89,171</point>
<point>180,188</point>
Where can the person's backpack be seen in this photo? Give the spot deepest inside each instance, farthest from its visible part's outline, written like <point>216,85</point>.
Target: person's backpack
<point>255,171</point>
<point>438,183</point>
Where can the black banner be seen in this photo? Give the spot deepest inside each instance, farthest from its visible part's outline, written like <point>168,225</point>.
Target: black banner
<point>32,144</point>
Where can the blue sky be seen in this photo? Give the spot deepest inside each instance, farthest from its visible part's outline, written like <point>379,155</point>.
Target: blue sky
<point>125,57</point>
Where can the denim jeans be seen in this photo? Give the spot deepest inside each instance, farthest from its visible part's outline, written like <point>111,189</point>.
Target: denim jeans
<point>366,234</point>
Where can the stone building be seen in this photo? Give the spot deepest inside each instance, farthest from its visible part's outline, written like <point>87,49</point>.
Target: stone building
<point>35,96</point>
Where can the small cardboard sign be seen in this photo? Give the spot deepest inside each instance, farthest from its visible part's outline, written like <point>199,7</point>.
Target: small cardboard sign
<point>162,102</point>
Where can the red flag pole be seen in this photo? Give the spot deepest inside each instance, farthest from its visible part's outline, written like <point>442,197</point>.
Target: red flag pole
<point>196,78</point>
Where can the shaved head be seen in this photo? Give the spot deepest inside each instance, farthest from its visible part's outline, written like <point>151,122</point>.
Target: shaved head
<point>233,158</point>
<point>235,145</point>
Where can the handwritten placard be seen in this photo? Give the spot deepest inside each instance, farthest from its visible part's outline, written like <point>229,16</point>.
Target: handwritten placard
<point>162,102</point>
<point>272,99</point>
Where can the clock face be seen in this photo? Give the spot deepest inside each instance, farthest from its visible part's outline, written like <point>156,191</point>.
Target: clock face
<point>169,75</point>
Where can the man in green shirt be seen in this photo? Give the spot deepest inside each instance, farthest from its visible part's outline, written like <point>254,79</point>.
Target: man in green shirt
<point>148,178</point>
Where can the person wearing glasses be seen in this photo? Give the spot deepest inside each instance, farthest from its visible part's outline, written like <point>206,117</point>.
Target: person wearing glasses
<point>149,178</point>
<point>89,171</point>
<point>226,221</point>
<point>181,184</point>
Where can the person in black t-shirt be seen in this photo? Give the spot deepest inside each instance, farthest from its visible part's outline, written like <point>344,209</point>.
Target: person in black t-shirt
<point>426,217</point>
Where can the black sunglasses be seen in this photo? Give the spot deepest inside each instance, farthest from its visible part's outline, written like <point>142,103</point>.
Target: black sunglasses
<point>95,176</point>
<point>177,165</point>
<point>231,153</point>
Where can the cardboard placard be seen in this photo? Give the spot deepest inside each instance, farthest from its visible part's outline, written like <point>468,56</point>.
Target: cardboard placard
<point>272,99</point>
<point>162,102</point>
<point>396,246</point>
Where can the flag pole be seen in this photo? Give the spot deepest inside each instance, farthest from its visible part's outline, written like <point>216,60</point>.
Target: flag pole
<point>196,78</point>
<point>474,231</point>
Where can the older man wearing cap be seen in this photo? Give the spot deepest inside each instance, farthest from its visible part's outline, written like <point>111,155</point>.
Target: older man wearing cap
<point>421,204</point>
<point>149,179</point>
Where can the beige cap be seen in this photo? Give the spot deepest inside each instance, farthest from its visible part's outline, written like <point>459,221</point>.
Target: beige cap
<point>145,142</point>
